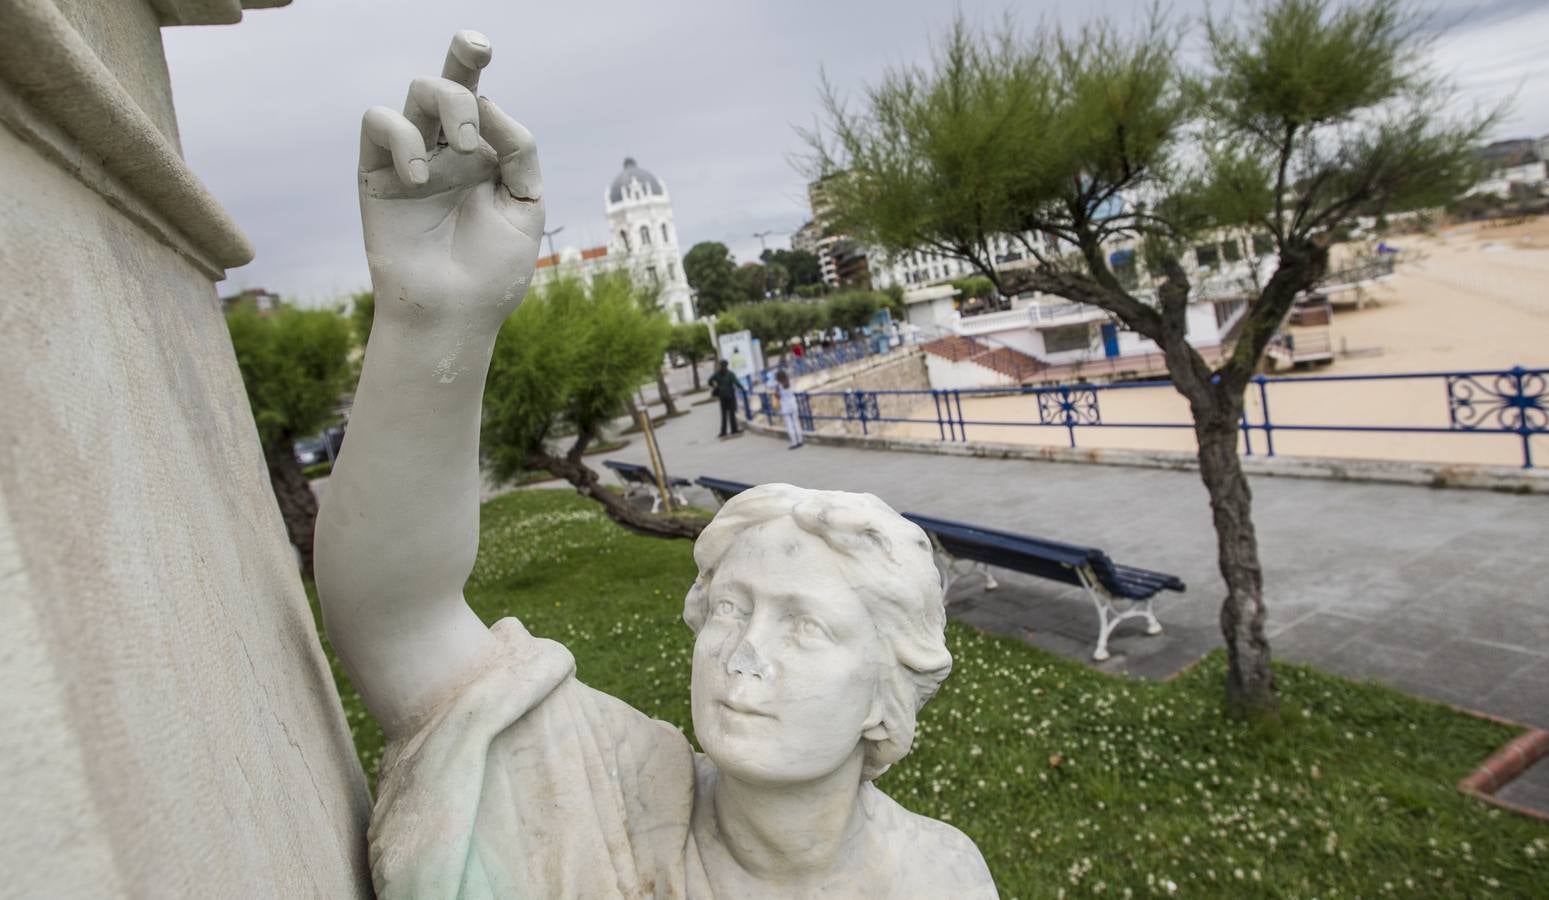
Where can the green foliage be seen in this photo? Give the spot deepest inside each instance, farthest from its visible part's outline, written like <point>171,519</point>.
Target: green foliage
<point>1065,777</point>
<point>752,280</point>
<point>1329,112</point>
<point>566,361</point>
<point>852,309</point>
<point>691,340</point>
<point>295,366</point>
<point>362,311</point>
<point>712,273</point>
<point>729,322</point>
<point>774,322</point>
<point>1305,114</point>
<point>933,156</point>
<point>974,286</point>
<point>1303,63</point>
<point>802,266</point>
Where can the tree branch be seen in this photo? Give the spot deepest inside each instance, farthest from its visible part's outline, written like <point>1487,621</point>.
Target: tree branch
<point>1301,264</point>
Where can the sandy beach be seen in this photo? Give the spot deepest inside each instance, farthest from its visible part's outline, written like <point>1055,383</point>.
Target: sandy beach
<point>1468,298</point>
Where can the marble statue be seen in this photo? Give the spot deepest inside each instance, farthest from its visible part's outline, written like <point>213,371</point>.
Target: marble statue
<point>819,615</point>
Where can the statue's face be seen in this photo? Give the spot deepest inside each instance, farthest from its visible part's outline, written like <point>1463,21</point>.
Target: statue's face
<point>788,664</point>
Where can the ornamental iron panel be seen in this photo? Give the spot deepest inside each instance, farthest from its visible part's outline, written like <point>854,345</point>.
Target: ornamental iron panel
<point>1069,406</point>
<point>1516,401</point>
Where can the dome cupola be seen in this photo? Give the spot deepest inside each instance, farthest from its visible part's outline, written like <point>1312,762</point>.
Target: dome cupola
<point>634,183</point>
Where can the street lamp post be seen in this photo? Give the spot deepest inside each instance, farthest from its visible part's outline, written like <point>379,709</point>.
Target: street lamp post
<point>550,236</point>
<point>764,248</point>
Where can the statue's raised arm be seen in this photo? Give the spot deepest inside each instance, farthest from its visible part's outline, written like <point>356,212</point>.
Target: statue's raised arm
<point>818,616</point>
<point>451,202</point>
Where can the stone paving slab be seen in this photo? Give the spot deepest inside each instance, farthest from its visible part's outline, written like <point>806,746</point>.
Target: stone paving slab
<point>1442,593</point>
<point>1530,789</point>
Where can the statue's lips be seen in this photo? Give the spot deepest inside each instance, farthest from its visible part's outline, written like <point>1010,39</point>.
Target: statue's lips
<point>746,710</point>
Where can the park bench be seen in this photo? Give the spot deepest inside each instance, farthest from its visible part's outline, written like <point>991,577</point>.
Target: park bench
<point>637,478</point>
<point>1118,592</point>
<point>722,489</point>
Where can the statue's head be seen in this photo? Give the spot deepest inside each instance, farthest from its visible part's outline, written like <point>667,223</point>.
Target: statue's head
<point>820,623</point>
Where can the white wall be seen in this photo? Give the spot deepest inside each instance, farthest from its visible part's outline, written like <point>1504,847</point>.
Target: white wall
<point>170,726</point>
<point>946,375</point>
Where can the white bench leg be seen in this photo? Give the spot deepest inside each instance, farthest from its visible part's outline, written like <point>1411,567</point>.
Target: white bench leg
<point>990,583</point>
<point>1107,621</point>
<point>1109,617</point>
<point>656,502</point>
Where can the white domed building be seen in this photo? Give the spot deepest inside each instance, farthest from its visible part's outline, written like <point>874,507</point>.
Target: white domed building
<point>642,238</point>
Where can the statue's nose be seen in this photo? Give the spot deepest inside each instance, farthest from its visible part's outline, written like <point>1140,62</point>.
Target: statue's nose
<point>746,661</point>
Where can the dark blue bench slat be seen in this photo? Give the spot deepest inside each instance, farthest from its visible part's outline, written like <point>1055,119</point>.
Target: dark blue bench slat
<point>721,487</point>
<point>1044,558</point>
<point>636,472</point>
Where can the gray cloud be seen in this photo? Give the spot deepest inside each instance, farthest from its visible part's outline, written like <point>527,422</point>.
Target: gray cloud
<point>705,94</point>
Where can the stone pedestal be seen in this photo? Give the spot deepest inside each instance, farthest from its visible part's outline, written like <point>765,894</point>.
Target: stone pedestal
<point>169,726</point>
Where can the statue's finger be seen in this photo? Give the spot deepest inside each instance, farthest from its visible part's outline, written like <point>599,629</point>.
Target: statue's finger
<point>437,105</point>
<point>517,150</point>
<point>388,138</point>
<point>469,54</point>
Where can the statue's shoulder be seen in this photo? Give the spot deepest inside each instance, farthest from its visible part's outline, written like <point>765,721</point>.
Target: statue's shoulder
<point>932,857</point>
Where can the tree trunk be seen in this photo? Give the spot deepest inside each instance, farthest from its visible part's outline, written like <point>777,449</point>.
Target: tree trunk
<point>619,509</point>
<point>1250,683</point>
<point>664,393</point>
<point>298,505</point>
<point>693,366</point>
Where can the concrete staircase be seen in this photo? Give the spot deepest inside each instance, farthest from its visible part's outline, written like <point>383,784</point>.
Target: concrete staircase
<point>1007,361</point>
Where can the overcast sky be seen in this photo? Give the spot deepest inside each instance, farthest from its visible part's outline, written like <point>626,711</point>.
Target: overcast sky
<point>705,93</point>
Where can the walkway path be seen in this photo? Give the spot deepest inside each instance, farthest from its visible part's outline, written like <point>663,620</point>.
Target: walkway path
<point>1441,593</point>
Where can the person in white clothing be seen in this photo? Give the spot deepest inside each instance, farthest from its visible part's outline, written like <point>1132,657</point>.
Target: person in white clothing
<point>788,409</point>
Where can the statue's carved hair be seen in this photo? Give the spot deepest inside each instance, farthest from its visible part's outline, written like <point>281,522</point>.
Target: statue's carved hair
<point>896,579</point>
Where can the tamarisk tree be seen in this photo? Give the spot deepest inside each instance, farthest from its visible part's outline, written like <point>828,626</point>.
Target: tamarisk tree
<point>564,367</point>
<point>1302,115</point>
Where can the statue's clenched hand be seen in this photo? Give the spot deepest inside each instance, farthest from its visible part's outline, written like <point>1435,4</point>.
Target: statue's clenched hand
<point>451,200</point>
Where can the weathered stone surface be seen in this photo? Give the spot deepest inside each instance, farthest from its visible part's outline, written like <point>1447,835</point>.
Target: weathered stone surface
<point>169,726</point>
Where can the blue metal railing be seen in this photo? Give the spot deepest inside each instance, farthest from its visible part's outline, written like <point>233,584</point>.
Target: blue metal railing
<point>1493,401</point>
<point>816,360</point>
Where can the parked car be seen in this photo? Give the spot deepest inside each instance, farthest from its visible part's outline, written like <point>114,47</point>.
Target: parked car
<point>319,448</point>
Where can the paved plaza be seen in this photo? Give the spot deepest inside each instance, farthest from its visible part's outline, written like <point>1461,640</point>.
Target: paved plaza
<point>1440,593</point>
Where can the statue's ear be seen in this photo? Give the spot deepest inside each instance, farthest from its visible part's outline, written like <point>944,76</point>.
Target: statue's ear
<point>875,728</point>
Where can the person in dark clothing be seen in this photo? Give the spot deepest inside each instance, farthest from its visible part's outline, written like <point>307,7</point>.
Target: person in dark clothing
<point>723,384</point>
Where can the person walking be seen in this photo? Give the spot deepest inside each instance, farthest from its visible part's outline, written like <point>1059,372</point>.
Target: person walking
<point>723,384</point>
<point>788,410</point>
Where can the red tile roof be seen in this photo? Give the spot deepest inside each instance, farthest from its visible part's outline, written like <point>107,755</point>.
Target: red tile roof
<point>589,253</point>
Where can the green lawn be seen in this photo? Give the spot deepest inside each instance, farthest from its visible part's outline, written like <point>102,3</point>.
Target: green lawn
<point>1072,782</point>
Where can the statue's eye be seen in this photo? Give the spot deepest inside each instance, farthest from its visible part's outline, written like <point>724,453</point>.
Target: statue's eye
<point>725,608</point>
<point>807,626</point>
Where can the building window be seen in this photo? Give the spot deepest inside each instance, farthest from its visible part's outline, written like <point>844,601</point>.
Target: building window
<point>645,236</point>
<point>1125,268</point>
<point>624,236</point>
<point>1207,256</point>
<point>1068,337</point>
<point>665,238</point>
<point>651,271</point>
<point>672,271</point>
